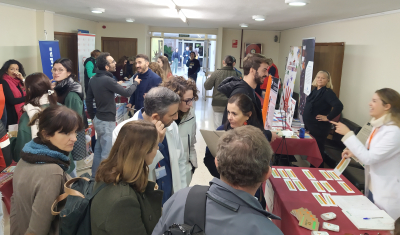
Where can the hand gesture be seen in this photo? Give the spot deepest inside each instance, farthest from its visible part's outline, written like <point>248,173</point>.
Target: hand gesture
<point>341,128</point>
<point>137,79</point>
<point>160,129</point>
<point>129,106</point>
<point>120,82</point>
<point>347,154</point>
<point>19,76</point>
<point>322,118</point>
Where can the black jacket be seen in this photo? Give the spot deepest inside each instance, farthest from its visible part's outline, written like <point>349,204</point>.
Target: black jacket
<point>233,85</point>
<point>321,102</point>
<point>12,116</point>
<point>102,88</point>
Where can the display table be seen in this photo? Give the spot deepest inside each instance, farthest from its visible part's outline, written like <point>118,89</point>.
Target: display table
<point>285,201</point>
<point>307,147</point>
<point>6,190</point>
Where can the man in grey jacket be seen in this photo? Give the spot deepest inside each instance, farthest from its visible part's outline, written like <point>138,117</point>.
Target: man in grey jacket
<point>220,100</point>
<point>231,207</point>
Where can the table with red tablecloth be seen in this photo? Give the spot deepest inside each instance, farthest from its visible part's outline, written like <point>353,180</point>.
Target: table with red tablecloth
<point>286,201</point>
<point>307,147</point>
<point>6,189</point>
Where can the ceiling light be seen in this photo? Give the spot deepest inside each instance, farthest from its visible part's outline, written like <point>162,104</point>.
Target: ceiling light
<point>297,2</point>
<point>258,18</point>
<point>98,10</point>
<point>130,20</point>
<point>171,4</point>
<point>244,25</point>
<point>182,16</point>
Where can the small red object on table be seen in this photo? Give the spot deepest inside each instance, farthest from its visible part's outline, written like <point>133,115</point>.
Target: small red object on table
<point>285,201</point>
<point>6,189</point>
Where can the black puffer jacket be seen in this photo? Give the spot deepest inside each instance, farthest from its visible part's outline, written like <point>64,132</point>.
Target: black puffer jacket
<point>233,85</point>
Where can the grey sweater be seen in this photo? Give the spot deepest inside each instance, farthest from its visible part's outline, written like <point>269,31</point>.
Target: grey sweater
<point>102,88</point>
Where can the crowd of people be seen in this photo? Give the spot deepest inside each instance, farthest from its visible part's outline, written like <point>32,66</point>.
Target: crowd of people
<point>144,165</point>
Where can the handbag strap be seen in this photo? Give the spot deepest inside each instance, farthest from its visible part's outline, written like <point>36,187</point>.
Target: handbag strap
<point>195,207</point>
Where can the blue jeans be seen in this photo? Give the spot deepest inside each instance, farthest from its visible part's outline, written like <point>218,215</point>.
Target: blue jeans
<point>103,146</point>
<point>175,65</point>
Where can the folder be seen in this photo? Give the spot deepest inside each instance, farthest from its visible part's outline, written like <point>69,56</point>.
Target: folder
<point>211,138</point>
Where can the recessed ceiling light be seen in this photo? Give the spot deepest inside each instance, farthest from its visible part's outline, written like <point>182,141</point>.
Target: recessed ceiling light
<point>258,18</point>
<point>130,20</point>
<point>244,25</point>
<point>297,2</point>
<point>98,10</point>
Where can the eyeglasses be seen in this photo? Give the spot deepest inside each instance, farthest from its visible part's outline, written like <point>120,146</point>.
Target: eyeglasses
<point>188,101</point>
<point>57,70</point>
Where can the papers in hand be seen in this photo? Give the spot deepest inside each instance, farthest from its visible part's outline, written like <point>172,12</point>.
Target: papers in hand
<point>341,166</point>
<point>211,138</point>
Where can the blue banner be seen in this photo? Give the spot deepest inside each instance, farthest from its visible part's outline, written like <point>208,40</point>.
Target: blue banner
<point>49,52</point>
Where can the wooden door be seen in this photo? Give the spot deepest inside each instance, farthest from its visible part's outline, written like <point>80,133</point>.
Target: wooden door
<point>68,48</point>
<point>329,57</point>
<point>118,47</point>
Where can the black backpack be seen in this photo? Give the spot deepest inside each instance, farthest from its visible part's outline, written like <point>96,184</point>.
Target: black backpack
<point>75,216</point>
<point>195,213</point>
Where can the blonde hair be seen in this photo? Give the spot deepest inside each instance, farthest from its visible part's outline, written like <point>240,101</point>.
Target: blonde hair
<point>329,84</point>
<point>155,67</point>
<point>270,61</point>
<point>392,97</point>
<point>166,68</point>
<point>126,162</point>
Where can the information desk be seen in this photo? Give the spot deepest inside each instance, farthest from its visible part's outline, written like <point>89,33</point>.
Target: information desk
<point>285,201</point>
<point>307,147</point>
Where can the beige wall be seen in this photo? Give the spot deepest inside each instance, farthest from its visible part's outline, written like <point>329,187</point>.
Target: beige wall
<point>270,48</point>
<point>182,30</point>
<point>69,24</point>
<point>124,30</point>
<point>19,40</point>
<point>370,59</point>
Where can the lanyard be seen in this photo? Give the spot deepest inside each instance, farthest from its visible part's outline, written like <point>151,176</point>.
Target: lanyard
<point>371,136</point>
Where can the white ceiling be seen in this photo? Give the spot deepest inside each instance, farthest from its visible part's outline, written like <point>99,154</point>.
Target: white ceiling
<point>214,13</point>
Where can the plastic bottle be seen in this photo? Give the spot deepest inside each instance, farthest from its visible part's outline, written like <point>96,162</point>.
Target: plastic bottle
<point>302,132</point>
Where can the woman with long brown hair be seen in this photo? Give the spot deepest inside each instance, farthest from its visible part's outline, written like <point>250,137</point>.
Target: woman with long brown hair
<point>164,64</point>
<point>39,96</point>
<point>129,204</point>
<point>121,68</point>
<point>156,68</point>
<point>381,153</point>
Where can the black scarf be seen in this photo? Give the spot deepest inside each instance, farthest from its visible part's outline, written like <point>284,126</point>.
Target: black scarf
<point>65,86</point>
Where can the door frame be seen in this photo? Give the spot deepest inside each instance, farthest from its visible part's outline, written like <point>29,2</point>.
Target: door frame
<point>75,68</point>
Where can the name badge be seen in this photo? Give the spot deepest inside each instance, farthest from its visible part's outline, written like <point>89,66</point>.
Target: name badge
<point>161,172</point>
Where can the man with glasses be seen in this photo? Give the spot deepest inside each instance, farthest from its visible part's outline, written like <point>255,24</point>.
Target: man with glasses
<point>102,88</point>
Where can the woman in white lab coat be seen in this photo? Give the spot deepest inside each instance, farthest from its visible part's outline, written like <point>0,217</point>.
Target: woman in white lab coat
<point>381,152</point>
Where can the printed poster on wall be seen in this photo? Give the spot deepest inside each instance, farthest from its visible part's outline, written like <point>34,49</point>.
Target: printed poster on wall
<point>308,49</point>
<point>273,95</point>
<point>49,52</point>
<point>86,44</point>
<point>292,65</point>
<point>290,112</point>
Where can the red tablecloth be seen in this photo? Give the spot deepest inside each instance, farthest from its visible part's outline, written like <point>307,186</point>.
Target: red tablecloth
<point>307,147</point>
<point>285,201</point>
<point>7,190</point>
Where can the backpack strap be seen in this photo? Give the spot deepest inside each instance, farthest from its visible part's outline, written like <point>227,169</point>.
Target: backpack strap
<point>195,207</point>
<point>96,191</point>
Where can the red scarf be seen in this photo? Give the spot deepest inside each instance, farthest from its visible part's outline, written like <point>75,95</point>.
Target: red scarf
<point>13,83</point>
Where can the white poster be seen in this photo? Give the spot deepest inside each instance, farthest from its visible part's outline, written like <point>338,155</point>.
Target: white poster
<point>290,112</point>
<point>86,44</point>
<point>269,196</point>
<point>292,66</point>
<point>308,78</point>
<point>273,95</point>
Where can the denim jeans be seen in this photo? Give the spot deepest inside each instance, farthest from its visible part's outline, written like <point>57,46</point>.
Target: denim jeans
<point>103,146</point>
<point>175,65</point>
